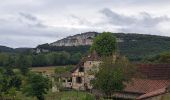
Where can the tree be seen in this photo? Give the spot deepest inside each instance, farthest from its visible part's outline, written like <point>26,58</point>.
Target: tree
<point>8,66</point>
<point>104,44</point>
<point>23,63</point>
<point>64,58</point>
<point>39,60</point>
<point>8,82</point>
<point>36,86</point>
<point>3,58</point>
<point>112,75</point>
<point>75,58</point>
<point>12,92</point>
<point>163,57</point>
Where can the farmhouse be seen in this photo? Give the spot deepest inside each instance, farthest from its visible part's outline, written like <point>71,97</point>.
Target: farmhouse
<point>79,78</point>
<point>155,82</point>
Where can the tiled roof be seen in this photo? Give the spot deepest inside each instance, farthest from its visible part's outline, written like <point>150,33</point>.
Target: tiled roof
<point>145,85</point>
<point>153,93</point>
<point>155,71</point>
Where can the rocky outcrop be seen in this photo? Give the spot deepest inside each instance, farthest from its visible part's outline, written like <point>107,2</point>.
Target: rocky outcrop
<point>77,40</point>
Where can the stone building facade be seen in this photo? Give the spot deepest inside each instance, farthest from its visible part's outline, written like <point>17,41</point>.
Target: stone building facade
<point>79,78</point>
<point>82,74</point>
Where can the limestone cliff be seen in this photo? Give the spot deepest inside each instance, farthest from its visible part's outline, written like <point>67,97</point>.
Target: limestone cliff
<point>76,40</point>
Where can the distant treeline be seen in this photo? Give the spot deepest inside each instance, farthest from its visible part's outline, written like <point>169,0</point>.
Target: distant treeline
<point>134,46</point>
<point>70,49</point>
<point>43,59</point>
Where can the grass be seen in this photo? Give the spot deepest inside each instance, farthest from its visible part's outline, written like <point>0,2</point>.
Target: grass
<point>47,69</point>
<point>70,95</point>
<point>65,95</point>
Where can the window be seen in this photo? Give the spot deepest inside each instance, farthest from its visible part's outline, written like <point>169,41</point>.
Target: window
<point>90,62</point>
<point>81,69</point>
<point>79,80</point>
<point>69,80</point>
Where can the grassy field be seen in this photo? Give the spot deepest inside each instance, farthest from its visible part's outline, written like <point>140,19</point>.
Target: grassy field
<point>47,69</point>
<point>66,95</point>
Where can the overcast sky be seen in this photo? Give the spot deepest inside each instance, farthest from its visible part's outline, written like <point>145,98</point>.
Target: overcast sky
<point>27,23</point>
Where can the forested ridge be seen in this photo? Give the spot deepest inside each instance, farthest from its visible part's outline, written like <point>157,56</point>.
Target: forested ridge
<point>137,47</point>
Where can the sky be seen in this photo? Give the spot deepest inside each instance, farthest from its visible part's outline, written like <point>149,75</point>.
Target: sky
<point>28,23</point>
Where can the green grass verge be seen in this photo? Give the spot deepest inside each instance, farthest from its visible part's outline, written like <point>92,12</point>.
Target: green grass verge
<point>65,95</point>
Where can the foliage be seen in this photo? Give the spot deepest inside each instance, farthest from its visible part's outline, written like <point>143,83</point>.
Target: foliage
<point>39,60</point>
<point>112,75</point>
<point>160,58</point>
<point>104,44</point>
<point>70,49</point>
<point>3,58</point>
<point>23,63</point>
<point>36,86</point>
<point>9,82</point>
<point>134,46</point>
<point>64,95</point>
<point>89,97</point>
<point>12,92</point>
<point>72,95</point>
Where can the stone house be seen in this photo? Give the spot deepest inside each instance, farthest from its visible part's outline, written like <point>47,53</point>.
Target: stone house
<point>79,77</point>
<point>157,78</point>
<point>83,73</point>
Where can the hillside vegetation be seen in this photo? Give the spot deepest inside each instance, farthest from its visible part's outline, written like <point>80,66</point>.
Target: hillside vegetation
<point>135,46</point>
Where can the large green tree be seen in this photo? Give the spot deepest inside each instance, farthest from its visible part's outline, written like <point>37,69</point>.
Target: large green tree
<point>36,86</point>
<point>3,58</point>
<point>104,44</point>
<point>24,63</point>
<point>113,74</point>
<point>7,82</point>
<point>39,60</point>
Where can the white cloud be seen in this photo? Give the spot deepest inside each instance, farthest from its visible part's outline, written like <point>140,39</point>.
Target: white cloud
<point>142,23</point>
<point>41,21</point>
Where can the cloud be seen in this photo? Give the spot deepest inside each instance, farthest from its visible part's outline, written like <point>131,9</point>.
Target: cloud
<point>117,19</point>
<point>33,22</point>
<point>141,23</point>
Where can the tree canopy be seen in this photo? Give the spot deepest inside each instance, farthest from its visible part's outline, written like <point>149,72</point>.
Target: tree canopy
<point>36,86</point>
<point>23,63</point>
<point>112,75</point>
<point>104,44</point>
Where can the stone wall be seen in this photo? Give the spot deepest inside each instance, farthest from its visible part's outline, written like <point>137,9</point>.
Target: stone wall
<point>85,76</point>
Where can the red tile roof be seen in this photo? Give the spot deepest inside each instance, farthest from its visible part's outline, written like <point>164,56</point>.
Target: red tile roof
<point>145,85</point>
<point>155,71</point>
<point>153,93</point>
